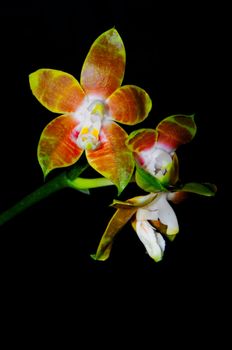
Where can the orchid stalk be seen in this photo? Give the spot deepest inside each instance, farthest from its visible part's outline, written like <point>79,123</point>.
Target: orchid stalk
<point>67,179</point>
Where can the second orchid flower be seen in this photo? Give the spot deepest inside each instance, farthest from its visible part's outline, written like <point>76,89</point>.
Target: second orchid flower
<point>157,172</point>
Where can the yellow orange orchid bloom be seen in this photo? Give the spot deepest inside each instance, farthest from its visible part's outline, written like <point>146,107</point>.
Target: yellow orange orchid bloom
<point>89,111</point>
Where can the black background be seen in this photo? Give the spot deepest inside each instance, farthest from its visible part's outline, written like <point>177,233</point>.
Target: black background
<point>177,55</point>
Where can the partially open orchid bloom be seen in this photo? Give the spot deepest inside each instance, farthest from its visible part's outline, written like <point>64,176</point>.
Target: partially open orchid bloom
<point>89,111</point>
<point>154,149</point>
<point>152,217</point>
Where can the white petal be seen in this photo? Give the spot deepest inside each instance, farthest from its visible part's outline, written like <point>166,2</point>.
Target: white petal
<point>152,240</point>
<point>146,214</point>
<point>167,215</point>
<point>160,241</point>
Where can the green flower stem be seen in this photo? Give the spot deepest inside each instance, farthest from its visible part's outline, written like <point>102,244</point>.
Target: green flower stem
<point>81,183</point>
<point>42,192</point>
<point>67,179</point>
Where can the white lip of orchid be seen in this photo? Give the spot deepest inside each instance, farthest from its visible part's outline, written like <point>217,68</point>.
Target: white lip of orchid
<point>156,161</point>
<point>166,214</point>
<point>158,209</point>
<point>90,115</point>
<point>152,240</point>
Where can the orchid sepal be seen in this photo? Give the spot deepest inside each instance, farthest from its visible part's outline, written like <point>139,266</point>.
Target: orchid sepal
<point>138,201</point>
<point>141,139</point>
<point>56,90</point>
<point>123,214</point>
<point>176,130</point>
<point>148,182</point>
<point>118,220</point>
<point>204,189</point>
<point>103,69</point>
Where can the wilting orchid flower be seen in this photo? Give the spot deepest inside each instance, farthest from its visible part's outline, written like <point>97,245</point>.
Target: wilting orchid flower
<point>157,172</point>
<point>151,215</point>
<point>89,111</point>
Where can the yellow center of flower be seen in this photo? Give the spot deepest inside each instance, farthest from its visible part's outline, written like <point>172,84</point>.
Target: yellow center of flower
<point>88,137</point>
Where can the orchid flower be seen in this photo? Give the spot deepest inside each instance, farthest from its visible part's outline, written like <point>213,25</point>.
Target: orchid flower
<point>157,172</point>
<point>89,112</point>
<point>153,219</point>
<point>150,216</point>
<point>154,150</point>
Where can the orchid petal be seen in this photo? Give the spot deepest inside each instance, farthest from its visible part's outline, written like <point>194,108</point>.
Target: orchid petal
<point>118,220</point>
<point>141,142</point>
<point>103,70</point>
<point>112,159</point>
<point>57,147</point>
<point>167,215</point>
<point>142,139</point>
<point>151,239</point>
<point>58,91</point>
<point>129,105</point>
<point>175,131</point>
